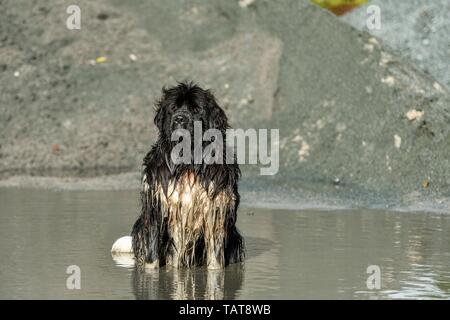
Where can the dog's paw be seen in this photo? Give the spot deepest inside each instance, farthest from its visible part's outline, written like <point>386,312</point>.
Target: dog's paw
<point>152,266</point>
<point>214,264</point>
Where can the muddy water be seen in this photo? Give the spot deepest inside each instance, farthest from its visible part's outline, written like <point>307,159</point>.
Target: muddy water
<point>290,254</point>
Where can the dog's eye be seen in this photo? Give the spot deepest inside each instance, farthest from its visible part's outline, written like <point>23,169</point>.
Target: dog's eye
<point>195,108</point>
<point>171,109</point>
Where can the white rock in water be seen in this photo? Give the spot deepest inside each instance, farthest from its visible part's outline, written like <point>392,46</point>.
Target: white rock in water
<point>122,245</point>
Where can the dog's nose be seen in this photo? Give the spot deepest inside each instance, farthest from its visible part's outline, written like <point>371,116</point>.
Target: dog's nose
<point>179,119</point>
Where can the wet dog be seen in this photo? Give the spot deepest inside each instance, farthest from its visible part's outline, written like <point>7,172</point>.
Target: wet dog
<point>189,209</point>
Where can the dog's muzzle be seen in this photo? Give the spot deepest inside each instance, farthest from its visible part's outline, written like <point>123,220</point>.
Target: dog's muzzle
<point>180,121</point>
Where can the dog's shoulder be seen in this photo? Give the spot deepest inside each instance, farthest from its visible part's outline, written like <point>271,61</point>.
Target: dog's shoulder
<point>154,156</point>
<point>155,168</point>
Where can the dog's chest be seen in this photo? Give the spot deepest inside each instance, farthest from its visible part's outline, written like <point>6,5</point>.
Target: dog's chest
<point>186,193</point>
<point>189,207</point>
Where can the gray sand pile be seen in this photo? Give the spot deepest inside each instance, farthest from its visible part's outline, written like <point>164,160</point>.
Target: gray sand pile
<point>352,115</point>
<point>416,29</point>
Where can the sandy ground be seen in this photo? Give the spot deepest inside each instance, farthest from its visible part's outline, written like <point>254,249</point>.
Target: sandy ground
<point>350,110</point>
<point>415,29</point>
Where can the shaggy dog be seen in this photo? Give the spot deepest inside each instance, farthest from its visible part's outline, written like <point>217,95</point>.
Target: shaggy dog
<point>189,210</point>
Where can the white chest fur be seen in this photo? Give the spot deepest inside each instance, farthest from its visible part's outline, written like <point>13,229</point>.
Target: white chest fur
<point>191,214</point>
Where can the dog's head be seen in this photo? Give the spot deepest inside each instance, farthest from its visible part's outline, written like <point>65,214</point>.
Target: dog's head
<point>180,106</point>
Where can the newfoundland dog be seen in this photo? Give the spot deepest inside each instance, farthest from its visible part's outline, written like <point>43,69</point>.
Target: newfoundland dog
<point>188,215</point>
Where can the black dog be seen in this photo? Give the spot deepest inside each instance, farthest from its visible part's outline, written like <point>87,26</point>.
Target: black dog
<point>189,210</point>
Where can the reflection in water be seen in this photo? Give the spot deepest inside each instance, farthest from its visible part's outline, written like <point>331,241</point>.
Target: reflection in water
<point>196,283</point>
<point>192,284</point>
<point>290,254</point>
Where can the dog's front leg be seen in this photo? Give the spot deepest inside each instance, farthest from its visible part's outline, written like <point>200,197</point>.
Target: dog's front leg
<point>215,253</point>
<point>145,243</point>
<point>145,232</point>
<point>214,241</point>
<point>152,259</point>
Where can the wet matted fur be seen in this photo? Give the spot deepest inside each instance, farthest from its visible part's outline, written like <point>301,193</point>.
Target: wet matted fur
<point>188,213</point>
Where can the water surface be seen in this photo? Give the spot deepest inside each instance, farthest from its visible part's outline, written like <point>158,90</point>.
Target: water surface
<point>290,254</point>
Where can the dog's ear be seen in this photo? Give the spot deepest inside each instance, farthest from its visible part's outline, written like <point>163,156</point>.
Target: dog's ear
<point>159,112</point>
<point>217,119</point>
<point>159,118</point>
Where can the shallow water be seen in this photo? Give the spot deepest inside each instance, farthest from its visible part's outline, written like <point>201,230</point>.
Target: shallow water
<point>290,254</point>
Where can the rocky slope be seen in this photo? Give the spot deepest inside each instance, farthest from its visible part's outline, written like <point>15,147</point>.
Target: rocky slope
<point>352,114</point>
